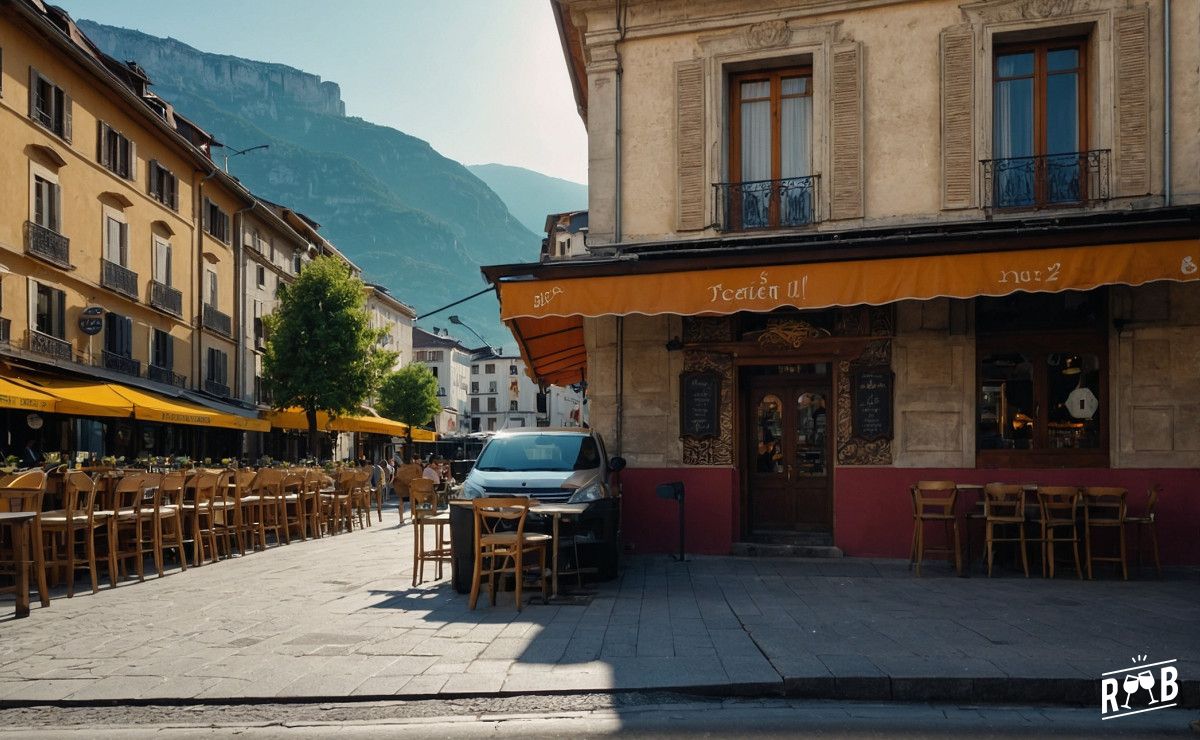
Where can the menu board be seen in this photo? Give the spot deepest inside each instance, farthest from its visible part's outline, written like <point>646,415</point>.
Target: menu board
<point>871,396</point>
<point>700,405</point>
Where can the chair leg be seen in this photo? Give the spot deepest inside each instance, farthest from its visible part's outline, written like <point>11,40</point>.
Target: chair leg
<point>177,522</point>
<point>990,545</point>
<point>1087,549</point>
<point>417,562</point>
<point>1121,538</point>
<point>958,564</point>
<point>1075,550</point>
<point>91,547</point>
<point>158,545</point>
<point>520,572</point>
<point>920,546</point>
<point>1024,554</point>
<point>475,580</point>
<point>1048,552</point>
<point>1154,545</point>
<point>140,556</point>
<point>39,564</point>
<point>69,542</point>
<point>492,578</point>
<point>112,551</point>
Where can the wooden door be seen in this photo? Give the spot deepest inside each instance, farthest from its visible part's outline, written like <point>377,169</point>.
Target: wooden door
<point>788,456</point>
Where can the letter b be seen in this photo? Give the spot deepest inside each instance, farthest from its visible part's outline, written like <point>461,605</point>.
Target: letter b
<point>1168,679</point>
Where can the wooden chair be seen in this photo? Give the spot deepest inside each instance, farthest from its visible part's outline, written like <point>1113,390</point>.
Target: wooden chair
<point>425,514</point>
<point>247,522</point>
<point>400,480</point>
<point>503,549</point>
<point>314,509</point>
<point>147,521</point>
<point>199,510</point>
<point>63,528</point>
<point>124,503</point>
<point>293,497</point>
<point>1059,507</point>
<point>361,496</point>
<point>1004,506</point>
<point>378,489</point>
<point>24,492</point>
<point>1104,508</point>
<point>933,501</point>
<point>1147,521</point>
<point>266,500</point>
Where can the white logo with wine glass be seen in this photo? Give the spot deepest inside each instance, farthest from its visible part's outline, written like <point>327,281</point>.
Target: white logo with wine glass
<point>1145,686</point>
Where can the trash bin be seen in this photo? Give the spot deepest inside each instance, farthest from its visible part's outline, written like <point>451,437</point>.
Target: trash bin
<point>462,541</point>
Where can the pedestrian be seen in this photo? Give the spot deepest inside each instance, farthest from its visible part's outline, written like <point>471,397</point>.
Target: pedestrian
<point>29,456</point>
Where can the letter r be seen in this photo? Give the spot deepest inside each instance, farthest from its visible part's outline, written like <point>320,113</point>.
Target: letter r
<point>1108,693</point>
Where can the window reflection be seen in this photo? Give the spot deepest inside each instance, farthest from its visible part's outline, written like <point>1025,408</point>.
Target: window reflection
<point>1007,415</point>
<point>770,435</point>
<point>1073,382</point>
<point>811,424</point>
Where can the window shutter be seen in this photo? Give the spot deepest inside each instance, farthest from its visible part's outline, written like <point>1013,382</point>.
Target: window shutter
<point>958,122</point>
<point>846,132</point>
<point>33,80</point>
<point>101,149</point>
<point>125,245</point>
<point>689,133</point>
<point>1131,32</point>
<point>173,187</point>
<point>68,126</point>
<point>132,160</point>
<point>60,318</point>
<point>207,206</point>
<point>168,351</point>
<point>154,185</point>
<point>55,192</point>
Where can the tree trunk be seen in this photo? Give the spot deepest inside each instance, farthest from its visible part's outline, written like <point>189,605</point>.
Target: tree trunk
<point>314,450</point>
<point>408,448</point>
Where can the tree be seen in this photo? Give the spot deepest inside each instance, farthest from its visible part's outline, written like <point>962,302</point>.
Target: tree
<point>321,352</point>
<point>410,395</point>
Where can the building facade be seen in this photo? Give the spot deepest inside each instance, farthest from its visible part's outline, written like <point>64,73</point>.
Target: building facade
<point>450,362</point>
<point>839,247</point>
<point>395,318</point>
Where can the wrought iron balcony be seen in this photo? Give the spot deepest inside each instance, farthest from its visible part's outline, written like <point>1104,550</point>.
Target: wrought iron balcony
<point>5,330</point>
<point>1068,179</point>
<point>766,204</point>
<point>166,298</point>
<point>120,363</point>
<point>119,278</point>
<point>47,244</point>
<point>217,321</point>
<point>216,389</point>
<point>163,375</point>
<point>44,344</point>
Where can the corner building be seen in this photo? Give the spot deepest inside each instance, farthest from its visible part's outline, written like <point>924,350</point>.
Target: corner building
<point>839,247</point>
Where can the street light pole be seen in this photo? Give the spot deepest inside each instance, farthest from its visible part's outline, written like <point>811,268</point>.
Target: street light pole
<point>229,154</point>
<point>456,320</point>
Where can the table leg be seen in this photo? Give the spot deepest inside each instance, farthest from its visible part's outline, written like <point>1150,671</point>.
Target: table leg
<point>21,550</point>
<point>554,544</point>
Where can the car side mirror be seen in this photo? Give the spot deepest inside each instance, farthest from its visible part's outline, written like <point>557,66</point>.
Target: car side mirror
<point>617,463</point>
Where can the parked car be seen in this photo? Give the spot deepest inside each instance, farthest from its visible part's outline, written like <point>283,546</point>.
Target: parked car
<point>568,465</point>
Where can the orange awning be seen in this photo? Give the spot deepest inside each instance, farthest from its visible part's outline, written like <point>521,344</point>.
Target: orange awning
<point>545,314</point>
<point>294,418</point>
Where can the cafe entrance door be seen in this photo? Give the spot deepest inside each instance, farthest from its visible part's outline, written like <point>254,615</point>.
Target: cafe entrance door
<point>788,449</point>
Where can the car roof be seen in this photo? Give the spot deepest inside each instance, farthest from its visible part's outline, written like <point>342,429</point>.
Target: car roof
<point>543,430</point>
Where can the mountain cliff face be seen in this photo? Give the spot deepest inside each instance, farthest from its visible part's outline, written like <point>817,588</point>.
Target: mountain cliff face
<point>415,221</point>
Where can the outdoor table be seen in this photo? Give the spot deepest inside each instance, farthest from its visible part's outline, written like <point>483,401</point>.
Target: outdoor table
<point>557,512</point>
<point>21,523</point>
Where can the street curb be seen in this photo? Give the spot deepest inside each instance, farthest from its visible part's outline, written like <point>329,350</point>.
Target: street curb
<point>1073,692</point>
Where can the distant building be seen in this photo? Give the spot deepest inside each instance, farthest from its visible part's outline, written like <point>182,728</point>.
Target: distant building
<point>387,312</point>
<point>504,397</point>
<point>566,235</point>
<point>450,362</point>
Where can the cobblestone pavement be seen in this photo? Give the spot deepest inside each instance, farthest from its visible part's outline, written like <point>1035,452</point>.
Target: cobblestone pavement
<point>336,618</point>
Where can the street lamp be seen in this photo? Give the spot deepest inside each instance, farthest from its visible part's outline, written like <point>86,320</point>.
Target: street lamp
<point>456,320</point>
<point>229,154</point>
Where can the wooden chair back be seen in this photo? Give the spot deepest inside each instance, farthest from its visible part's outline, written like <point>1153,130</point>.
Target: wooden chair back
<point>1151,501</point>
<point>292,482</point>
<point>492,515</point>
<point>934,498</point>
<point>170,488</point>
<point>79,496</point>
<point>266,482</point>
<point>1104,506</point>
<point>1058,504</point>
<point>1003,501</point>
<point>27,479</point>
<point>423,497</point>
<point>24,492</point>
<point>243,477</point>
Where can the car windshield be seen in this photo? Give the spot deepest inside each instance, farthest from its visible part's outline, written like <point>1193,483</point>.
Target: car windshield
<point>528,452</point>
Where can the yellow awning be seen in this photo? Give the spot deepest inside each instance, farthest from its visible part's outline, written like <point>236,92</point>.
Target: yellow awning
<point>14,396</point>
<point>294,418</point>
<point>424,435</point>
<point>152,407</point>
<point>80,397</point>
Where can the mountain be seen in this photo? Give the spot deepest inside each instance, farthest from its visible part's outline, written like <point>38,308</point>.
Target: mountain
<point>530,195</point>
<point>416,222</point>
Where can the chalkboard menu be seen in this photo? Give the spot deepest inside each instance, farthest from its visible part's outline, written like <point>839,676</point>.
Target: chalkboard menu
<point>871,392</point>
<point>700,405</point>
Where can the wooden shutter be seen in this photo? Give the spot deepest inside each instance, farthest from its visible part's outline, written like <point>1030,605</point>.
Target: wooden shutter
<point>1131,38</point>
<point>846,133</point>
<point>132,160</point>
<point>55,192</point>
<point>168,355</point>
<point>68,126</point>
<point>174,188</point>
<point>33,85</point>
<point>958,117</point>
<point>102,144</point>
<point>689,145</point>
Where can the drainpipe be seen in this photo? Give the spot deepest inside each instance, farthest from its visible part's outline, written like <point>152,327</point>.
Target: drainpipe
<point>239,305</point>
<point>1166,102</point>
<point>617,236</point>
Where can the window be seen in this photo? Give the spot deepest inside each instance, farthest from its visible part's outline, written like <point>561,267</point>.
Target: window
<point>297,262</point>
<point>474,405</point>
<point>164,186</point>
<point>770,150</point>
<point>512,369</point>
<point>489,368</point>
<point>51,312</point>
<point>217,371</point>
<point>492,424</point>
<point>1038,124</point>
<point>162,261</point>
<point>474,386</point>
<point>512,406</point>
<point>434,370</point>
<point>49,105</point>
<point>491,386</point>
<point>1042,380</point>
<point>115,151</point>
<point>118,335</point>
<point>162,350</point>
<point>474,369</point>
<point>261,274</point>
<point>211,294</point>
<point>116,241</point>
<point>47,204</point>
<point>491,406</point>
<point>216,221</point>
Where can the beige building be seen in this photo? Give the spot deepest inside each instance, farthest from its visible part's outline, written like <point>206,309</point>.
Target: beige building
<point>838,247</point>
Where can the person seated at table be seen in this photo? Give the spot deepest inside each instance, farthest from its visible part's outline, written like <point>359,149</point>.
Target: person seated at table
<point>29,456</point>
<point>432,474</point>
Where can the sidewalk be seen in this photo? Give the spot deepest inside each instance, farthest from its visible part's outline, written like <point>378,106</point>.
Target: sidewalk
<point>335,618</point>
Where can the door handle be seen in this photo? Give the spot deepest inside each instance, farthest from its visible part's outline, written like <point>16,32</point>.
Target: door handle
<point>789,472</point>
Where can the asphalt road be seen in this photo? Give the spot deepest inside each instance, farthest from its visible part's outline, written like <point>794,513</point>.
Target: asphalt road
<point>640,714</point>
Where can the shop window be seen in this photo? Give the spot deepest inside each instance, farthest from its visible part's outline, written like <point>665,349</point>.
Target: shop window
<point>770,151</point>
<point>1039,130</point>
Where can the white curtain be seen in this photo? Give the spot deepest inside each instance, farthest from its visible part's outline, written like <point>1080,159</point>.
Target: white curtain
<point>796,129</point>
<point>756,132</point>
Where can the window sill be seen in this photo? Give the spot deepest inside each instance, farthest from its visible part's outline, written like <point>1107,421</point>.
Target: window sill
<point>1023,459</point>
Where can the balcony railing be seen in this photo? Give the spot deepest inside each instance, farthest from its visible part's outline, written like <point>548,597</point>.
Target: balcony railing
<point>5,331</point>
<point>166,298</point>
<point>119,278</point>
<point>1068,179</point>
<point>163,375</point>
<point>44,344</point>
<point>766,204</point>
<point>120,363</point>
<point>47,244</point>
<point>217,321</point>
<point>216,389</point>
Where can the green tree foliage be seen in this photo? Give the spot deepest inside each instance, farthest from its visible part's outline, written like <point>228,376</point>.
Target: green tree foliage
<point>321,352</point>
<point>410,395</point>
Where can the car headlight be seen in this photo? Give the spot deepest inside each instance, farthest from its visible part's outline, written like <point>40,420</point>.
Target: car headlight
<point>590,492</point>
<point>471,490</point>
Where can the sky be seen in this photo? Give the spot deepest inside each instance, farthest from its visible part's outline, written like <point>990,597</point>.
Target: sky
<point>480,80</point>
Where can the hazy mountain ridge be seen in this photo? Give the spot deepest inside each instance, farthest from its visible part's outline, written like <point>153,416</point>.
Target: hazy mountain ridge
<point>531,196</point>
<point>415,221</point>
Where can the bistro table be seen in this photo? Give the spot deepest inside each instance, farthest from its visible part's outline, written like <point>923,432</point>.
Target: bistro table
<point>557,512</point>
<point>21,523</point>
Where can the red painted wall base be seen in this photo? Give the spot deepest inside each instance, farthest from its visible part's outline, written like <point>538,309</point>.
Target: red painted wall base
<point>651,525</point>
